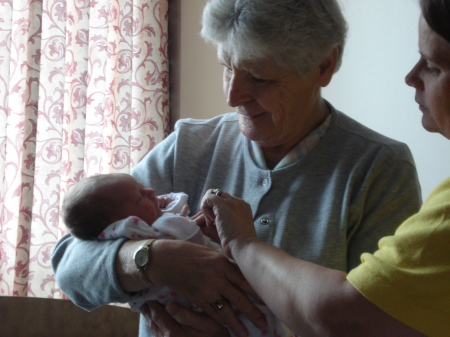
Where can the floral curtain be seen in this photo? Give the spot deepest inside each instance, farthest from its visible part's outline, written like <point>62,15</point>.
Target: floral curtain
<point>83,90</point>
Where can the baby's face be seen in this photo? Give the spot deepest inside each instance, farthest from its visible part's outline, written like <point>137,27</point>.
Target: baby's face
<point>139,201</point>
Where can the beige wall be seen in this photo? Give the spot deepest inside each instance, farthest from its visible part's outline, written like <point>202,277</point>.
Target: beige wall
<point>196,75</point>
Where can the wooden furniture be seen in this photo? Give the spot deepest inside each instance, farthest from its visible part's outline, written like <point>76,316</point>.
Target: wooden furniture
<point>44,317</point>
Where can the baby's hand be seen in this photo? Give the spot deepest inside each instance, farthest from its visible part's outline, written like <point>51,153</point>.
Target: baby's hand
<point>164,201</point>
<point>184,210</point>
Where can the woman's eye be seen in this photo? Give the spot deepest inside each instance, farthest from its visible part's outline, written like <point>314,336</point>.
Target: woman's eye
<point>431,69</point>
<point>260,80</point>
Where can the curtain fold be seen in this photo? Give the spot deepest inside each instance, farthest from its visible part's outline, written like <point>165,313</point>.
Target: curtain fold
<point>83,90</point>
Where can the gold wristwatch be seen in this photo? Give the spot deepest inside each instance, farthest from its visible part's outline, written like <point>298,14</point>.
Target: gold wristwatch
<point>142,259</point>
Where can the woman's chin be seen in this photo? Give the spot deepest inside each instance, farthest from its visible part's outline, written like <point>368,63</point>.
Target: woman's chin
<point>428,125</point>
<point>251,132</point>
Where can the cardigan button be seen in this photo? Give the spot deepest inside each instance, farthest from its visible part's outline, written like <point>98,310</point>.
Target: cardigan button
<point>264,221</point>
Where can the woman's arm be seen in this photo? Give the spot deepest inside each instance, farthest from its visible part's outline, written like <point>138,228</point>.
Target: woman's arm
<point>108,274</point>
<point>84,270</point>
<point>310,299</point>
<point>201,275</point>
<point>314,300</point>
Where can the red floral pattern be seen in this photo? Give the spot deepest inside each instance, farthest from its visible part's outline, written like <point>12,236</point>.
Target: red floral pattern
<point>83,90</point>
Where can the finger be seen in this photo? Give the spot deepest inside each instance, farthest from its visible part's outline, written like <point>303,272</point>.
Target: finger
<point>207,207</point>
<point>242,303</point>
<point>194,320</point>
<point>200,220</point>
<point>211,232</point>
<point>158,320</point>
<point>199,214</point>
<point>211,202</point>
<point>227,317</point>
<point>187,317</point>
<point>184,210</point>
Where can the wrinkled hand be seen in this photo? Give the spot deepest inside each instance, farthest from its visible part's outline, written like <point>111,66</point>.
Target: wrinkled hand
<point>178,321</point>
<point>231,217</point>
<point>204,277</point>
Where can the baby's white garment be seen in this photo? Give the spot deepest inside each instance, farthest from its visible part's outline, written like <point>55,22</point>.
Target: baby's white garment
<point>169,226</point>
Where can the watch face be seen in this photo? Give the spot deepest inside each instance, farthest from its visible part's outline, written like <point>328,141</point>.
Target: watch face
<point>141,257</point>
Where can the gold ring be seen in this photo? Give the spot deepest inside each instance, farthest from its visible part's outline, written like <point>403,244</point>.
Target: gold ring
<point>219,305</point>
<point>217,191</point>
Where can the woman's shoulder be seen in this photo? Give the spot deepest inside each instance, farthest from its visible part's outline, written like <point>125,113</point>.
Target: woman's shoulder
<point>347,128</point>
<point>227,119</point>
<point>192,132</point>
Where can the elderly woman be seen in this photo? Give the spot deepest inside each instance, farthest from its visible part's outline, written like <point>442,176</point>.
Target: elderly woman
<point>321,186</point>
<point>403,289</point>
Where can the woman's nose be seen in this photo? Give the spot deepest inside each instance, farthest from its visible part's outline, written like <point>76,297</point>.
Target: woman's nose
<point>413,79</point>
<point>238,89</point>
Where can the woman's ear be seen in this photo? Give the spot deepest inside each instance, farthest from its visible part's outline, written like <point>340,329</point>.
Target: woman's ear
<point>327,67</point>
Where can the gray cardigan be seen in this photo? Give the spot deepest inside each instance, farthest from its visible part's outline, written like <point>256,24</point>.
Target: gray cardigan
<point>353,188</point>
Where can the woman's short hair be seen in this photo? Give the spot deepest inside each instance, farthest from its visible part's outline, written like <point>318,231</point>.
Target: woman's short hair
<point>437,16</point>
<point>297,34</point>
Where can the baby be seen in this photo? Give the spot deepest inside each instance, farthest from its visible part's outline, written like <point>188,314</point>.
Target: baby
<point>109,206</point>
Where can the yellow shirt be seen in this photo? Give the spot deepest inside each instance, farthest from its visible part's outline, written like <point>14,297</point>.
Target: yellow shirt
<point>409,276</point>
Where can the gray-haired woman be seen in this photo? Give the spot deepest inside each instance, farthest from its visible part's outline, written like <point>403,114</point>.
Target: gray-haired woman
<point>285,150</point>
<point>403,289</point>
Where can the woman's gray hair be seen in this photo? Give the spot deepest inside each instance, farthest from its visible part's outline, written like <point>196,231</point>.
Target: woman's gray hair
<point>297,34</point>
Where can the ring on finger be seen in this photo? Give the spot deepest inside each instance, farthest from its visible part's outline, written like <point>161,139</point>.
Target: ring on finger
<point>217,191</point>
<point>219,305</point>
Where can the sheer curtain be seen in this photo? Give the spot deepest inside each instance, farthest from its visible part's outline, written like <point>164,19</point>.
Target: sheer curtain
<point>83,90</point>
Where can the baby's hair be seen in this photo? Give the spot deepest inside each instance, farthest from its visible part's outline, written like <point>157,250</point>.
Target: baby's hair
<point>87,210</point>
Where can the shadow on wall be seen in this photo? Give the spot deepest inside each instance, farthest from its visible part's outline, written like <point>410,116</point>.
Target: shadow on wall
<point>45,317</point>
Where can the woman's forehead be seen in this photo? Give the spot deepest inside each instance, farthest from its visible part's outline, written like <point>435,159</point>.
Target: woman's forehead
<point>432,46</point>
<point>267,64</point>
